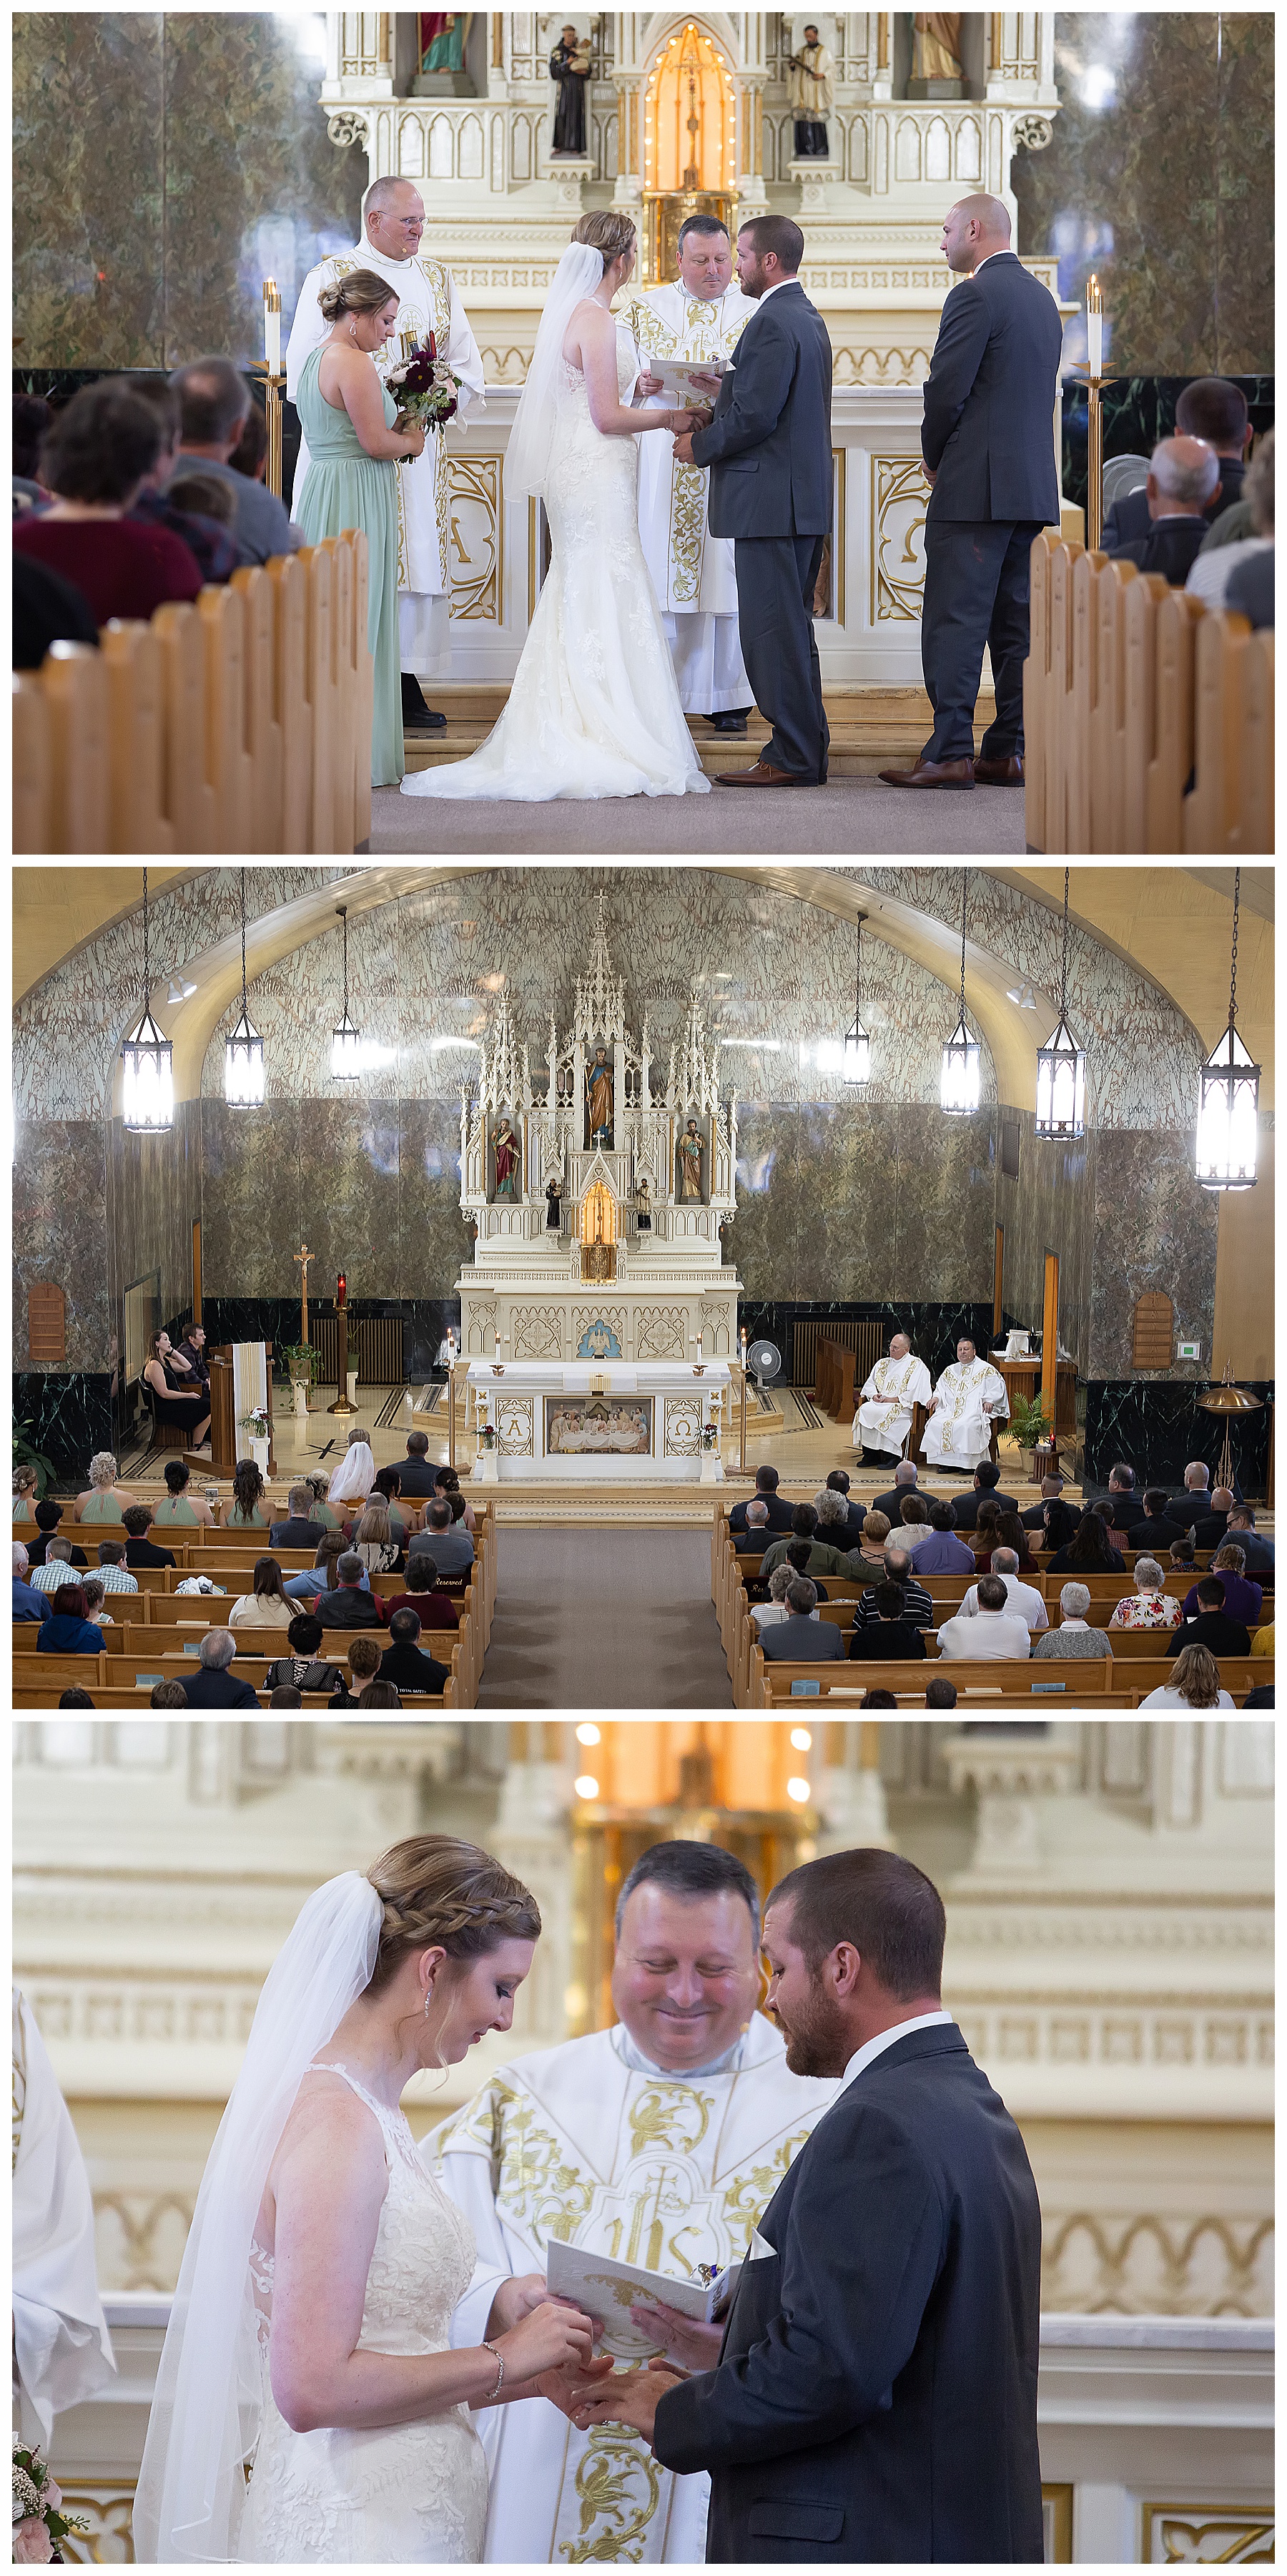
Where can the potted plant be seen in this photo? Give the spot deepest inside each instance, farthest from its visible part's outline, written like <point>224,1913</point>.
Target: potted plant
<point>256,1423</point>
<point>1029,1424</point>
<point>301,1363</point>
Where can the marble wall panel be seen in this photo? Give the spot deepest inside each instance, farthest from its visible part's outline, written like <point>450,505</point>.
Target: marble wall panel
<point>433,1238</point>
<point>60,1233</point>
<point>154,1193</point>
<point>165,164</point>
<point>251,1200</point>
<point>765,1240</point>
<point>849,1168</point>
<point>1160,178</point>
<point>1050,1208</point>
<point>943,1213</point>
<point>88,211</point>
<point>67,1415</point>
<point>1159,1426</point>
<point>1155,1228</point>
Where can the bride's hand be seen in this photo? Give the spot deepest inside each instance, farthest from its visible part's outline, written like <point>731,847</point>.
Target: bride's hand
<point>515,2300</point>
<point>575,2384</point>
<point>547,2338</point>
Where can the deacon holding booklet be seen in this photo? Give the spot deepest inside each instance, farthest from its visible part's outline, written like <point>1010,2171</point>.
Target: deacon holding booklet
<point>875,2398</point>
<point>658,2144</point>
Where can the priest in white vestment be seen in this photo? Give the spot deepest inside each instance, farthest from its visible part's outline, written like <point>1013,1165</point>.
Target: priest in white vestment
<point>884,1415</point>
<point>701,317</point>
<point>969,1398</point>
<point>659,2142</point>
<point>392,222</point>
<point>62,2351</point>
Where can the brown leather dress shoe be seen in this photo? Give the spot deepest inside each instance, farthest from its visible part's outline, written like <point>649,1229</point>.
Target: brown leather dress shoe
<point>932,773</point>
<point>762,776</point>
<point>999,773</point>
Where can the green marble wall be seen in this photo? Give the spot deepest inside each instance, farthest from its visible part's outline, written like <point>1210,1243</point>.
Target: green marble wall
<point>1160,178</point>
<point>163,165</point>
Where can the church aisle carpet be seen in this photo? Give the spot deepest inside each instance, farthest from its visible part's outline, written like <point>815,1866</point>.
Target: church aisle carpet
<point>604,1618</point>
<point>851,817</point>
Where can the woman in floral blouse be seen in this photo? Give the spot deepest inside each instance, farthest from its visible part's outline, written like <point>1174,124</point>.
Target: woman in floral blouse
<point>1151,1607</point>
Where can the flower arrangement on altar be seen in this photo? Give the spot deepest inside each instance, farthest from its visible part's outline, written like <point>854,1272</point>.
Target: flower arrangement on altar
<point>256,1422</point>
<point>427,392</point>
<point>39,2522</point>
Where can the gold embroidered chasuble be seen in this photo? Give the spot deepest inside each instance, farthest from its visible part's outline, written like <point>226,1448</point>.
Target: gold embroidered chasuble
<point>885,1426</point>
<point>959,1433</point>
<point>665,2171</point>
<point>691,570</point>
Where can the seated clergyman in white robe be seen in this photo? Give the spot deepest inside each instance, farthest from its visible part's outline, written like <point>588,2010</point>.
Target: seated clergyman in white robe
<point>607,2143</point>
<point>968,1399</point>
<point>884,1415</point>
<point>62,2351</point>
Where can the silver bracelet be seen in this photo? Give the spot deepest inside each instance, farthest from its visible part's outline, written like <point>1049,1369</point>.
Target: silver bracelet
<point>499,2359</point>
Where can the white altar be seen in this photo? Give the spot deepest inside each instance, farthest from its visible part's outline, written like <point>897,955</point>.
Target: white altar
<point>589,1421</point>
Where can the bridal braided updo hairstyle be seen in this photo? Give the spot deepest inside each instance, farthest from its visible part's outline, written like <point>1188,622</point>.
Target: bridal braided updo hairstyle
<point>360,292</point>
<point>440,1893</point>
<point>607,231</point>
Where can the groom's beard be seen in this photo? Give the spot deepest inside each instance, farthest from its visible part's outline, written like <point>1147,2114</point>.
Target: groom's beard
<point>816,2040</point>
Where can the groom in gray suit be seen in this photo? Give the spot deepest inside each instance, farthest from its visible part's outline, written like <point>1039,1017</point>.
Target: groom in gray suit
<point>768,446</point>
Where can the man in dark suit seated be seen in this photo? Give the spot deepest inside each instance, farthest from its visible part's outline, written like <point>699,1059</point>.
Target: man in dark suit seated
<point>1210,1530</point>
<point>891,1637</point>
<point>1123,1496</point>
<point>1183,474</point>
<point>766,1491</point>
<point>986,1487</point>
<point>417,1477</point>
<point>403,1663</point>
<point>799,1638</point>
<point>1051,1489</point>
<point>1215,410</point>
<point>350,1606</point>
<point>1212,1627</point>
<point>990,464</point>
<point>1192,1506</point>
<point>1259,1552</point>
<point>838,1483</point>
<point>212,1685</point>
<point>906,1481</point>
<point>299,1530</point>
<point>1155,1529</point>
<point>754,1535</point>
<point>48,1516</point>
<point>875,2398</point>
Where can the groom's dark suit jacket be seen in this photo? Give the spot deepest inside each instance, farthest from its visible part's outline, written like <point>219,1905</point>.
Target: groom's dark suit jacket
<point>988,431</point>
<point>876,2395</point>
<point>769,444</point>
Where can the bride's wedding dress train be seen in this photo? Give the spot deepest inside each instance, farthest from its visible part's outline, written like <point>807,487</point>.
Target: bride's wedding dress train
<point>593,710</point>
<point>403,2494</point>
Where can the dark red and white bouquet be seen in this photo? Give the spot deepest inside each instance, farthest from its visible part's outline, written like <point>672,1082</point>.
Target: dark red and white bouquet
<point>425,389</point>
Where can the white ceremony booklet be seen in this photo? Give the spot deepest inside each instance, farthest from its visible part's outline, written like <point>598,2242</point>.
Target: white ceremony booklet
<point>606,2291</point>
<point>677,375</point>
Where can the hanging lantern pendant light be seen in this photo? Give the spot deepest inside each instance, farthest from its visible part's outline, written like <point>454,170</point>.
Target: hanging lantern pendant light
<point>147,1094</point>
<point>1061,1065</point>
<point>243,1051</point>
<point>958,1088</point>
<point>1228,1096</point>
<point>857,1065</point>
<point>346,1041</point>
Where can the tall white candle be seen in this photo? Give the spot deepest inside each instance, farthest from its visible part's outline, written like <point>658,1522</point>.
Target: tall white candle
<point>1094,328</point>
<point>272,327</point>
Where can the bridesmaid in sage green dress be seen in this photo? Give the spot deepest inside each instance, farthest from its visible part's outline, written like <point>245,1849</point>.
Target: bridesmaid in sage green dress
<point>347,419</point>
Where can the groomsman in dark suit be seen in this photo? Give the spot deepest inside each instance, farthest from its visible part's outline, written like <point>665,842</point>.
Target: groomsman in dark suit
<point>875,2397</point>
<point>988,446</point>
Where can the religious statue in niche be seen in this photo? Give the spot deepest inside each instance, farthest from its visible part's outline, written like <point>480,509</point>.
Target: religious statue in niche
<point>690,1162</point>
<point>643,1205</point>
<point>505,1147</point>
<point>442,40</point>
<point>570,71</point>
<point>554,1205</point>
<point>599,1097</point>
<point>812,85</point>
<point>936,50</point>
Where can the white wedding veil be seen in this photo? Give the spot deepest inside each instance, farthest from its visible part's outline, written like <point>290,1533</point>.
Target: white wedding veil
<point>206,2412</point>
<point>527,457</point>
<point>354,1476</point>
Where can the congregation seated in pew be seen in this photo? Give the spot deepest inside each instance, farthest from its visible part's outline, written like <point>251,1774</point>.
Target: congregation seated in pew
<point>896,1566</point>
<point>891,1636</point>
<point>30,1602</point>
<point>105,1498</point>
<point>446,1536</point>
<point>139,1548</point>
<point>1211,1624</point>
<point>799,1639</point>
<point>363,1664</point>
<point>181,1508</point>
<point>1194,1683</point>
<point>941,1551</point>
<point>995,1634</point>
<point>1022,1600</point>
<point>266,1606</point>
<point>1074,1635</point>
<point>433,1608</point>
<point>299,1529</point>
<point>68,1631</point>
<point>58,1560</point>
<point>303,1669</point>
<point>213,1684</point>
<point>1090,1550</point>
<point>1149,1606</point>
<point>403,1662</point>
<point>94,459</point>
<point>1243,1599</point>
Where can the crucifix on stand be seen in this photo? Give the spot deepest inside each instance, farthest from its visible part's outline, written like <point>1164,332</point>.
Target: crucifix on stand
<point>303,1257</point>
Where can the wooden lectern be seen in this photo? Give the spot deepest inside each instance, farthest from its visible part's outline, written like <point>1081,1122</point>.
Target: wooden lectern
<point>225,1447</point>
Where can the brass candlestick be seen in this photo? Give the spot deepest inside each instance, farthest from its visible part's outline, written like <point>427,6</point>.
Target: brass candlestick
<point>342,1404</point>
<point>274,378</point>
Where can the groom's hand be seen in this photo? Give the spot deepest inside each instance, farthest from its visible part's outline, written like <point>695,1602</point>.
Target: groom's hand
<point>930,473</point>
<point>572,2386</point>
<point>516,2299</point>
<point>632,2398</point>
<point>687,2340</point>
<point>683,448</point>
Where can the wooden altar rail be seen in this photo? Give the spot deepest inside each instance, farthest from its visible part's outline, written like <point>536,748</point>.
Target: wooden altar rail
<point>238,722</point>
<point>1129,690</point>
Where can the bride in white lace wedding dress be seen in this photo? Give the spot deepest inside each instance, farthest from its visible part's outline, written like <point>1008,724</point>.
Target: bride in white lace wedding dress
<point>593,709</point>
<point>310,2336</point>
